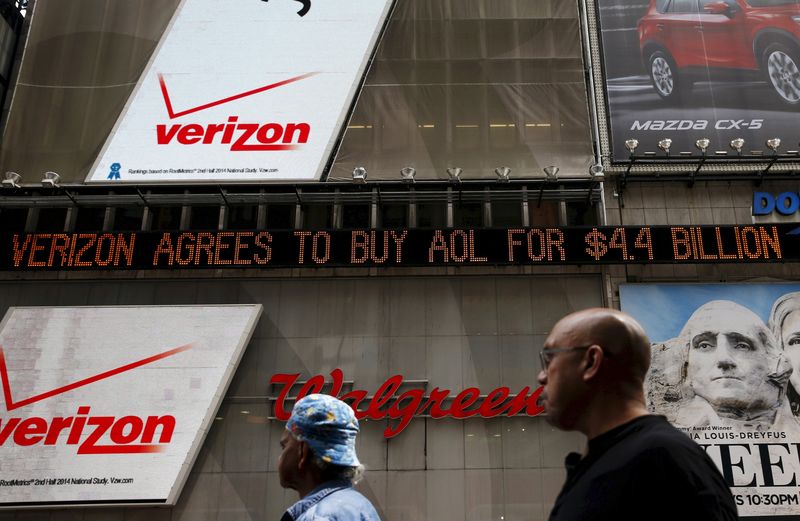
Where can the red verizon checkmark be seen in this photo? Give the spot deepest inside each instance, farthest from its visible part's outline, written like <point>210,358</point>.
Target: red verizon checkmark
<point>173,114</point>
<point>11,405</point>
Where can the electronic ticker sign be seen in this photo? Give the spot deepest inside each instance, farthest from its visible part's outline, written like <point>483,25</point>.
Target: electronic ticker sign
<point>399,247</point>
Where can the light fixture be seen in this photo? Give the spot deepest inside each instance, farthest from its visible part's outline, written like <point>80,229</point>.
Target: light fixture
<point>631,145</point>
<point>360,174</point>
<point>454,173</point>
<point>50,180</point>
<point>702,144</point>
<point>737,144</point>
<point>407,174</point>
<point>665,144</point>
<point>12,180</point>
<point>774,143</point>
<point>551,173</point>
<point>503,173</point>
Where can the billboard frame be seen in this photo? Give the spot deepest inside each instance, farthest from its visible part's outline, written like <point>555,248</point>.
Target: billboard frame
<point>652,162</point>
<point>331,149</point>
<point>200,436</point>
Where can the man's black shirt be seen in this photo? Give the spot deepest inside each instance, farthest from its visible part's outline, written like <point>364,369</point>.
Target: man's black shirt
<point>643,469</point>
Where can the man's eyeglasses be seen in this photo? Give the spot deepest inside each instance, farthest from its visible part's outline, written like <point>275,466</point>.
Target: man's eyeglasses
<point>546,355</point>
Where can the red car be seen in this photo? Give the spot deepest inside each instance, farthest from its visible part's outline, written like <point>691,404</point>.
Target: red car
<point>681,39</point>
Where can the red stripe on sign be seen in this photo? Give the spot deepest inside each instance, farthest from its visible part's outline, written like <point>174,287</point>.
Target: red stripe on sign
<point>173,114</point>
<point>11,405</point>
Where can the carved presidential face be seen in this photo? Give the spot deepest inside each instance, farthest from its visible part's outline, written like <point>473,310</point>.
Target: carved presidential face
<point>730,358</point>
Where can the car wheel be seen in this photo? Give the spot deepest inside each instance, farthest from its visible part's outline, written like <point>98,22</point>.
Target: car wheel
<point>782,67</point>
<point>666,78</point>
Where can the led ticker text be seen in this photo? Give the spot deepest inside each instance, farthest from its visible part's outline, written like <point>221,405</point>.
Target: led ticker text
<point>399,247</point>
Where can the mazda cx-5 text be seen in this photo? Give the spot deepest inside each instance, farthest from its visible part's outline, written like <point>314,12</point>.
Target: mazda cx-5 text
<point>681,38</point>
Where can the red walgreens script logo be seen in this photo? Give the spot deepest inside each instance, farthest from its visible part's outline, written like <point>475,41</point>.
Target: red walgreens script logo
<point>127,435</point>
<point>389,402</point>
<point>240,136</point>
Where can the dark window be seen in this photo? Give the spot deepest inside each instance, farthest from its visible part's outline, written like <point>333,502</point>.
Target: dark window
<point>280,216</point>
<point>242,217</point>
<point>545,214</point>
<point>317,216</point>
<point>661,5</point>
<point>51,220</point>
<point>467,214</point>
<point>355,215</point>
<point>581,214</point>
<point>90,219</point>
<point>204,218</point>
<point>166,218</point>
<point>128,219</point>
<point>393,216</point>
<point>13,219</point>
<point>431,215</point>
<point>506,213</point>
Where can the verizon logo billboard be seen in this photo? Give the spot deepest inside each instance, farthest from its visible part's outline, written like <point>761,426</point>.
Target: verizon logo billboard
<point>110,405</point>
<point>243,91</point>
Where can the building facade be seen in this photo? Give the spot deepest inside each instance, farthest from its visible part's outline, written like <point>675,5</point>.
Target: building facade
<point>503,111</point>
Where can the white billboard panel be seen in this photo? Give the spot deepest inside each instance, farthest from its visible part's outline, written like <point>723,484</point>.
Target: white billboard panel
<point>243,91</point>
<point>110,405</point>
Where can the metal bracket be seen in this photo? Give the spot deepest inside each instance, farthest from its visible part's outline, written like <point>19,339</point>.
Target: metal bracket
<point>141,195</point>
<point>764,172</point>
<point>697,170</point>
<point>225,199</point>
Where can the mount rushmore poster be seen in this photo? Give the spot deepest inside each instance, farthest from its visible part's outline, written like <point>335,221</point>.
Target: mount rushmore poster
<point>726,370</point>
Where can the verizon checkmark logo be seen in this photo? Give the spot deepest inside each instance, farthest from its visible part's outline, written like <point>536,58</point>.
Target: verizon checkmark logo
<point>241,137</point>
<point>93,434</point>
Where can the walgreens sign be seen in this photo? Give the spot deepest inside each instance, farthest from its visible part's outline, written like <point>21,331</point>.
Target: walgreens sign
<point>256,91</point>
<point>97,409</point>
<point>401,401</point>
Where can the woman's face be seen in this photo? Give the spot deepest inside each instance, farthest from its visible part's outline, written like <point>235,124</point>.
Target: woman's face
<point>790,334</point>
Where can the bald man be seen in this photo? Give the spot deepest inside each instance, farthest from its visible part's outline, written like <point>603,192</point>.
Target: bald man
<point>637,465</point>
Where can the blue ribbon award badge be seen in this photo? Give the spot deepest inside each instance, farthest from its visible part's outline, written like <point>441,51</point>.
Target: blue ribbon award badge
<point>114,172</point>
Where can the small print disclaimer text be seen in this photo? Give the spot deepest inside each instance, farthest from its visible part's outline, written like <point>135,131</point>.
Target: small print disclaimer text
<point>51,482</point>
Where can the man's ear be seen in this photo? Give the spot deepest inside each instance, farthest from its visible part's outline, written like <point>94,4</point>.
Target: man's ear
<point>591,362</point>
<point>305,454</point>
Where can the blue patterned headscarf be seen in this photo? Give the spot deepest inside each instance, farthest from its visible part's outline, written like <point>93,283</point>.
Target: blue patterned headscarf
<point>329,426</point>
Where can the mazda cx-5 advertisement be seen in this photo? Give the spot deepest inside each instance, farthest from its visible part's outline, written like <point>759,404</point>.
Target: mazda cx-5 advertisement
<point>686,70</point>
